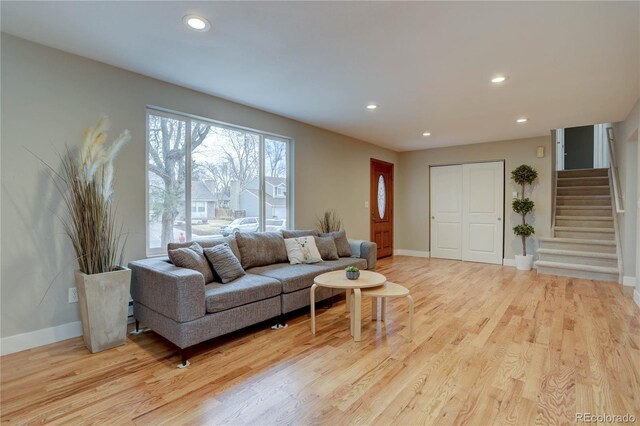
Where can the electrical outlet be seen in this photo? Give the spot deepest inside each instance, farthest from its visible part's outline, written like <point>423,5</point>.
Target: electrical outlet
<point>515,194</point>
<point>366,204</point>
<point>73,295</point>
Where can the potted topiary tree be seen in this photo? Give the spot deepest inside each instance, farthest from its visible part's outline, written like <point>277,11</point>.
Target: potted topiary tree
<point>523,175</point>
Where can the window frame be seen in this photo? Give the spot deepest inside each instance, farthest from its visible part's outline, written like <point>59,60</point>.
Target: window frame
<point>263,135</point>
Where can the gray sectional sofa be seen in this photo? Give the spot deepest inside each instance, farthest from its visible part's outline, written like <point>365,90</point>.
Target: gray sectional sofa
<point>177,303</point>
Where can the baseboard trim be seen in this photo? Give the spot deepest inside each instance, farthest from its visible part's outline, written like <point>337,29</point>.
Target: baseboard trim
<point>414,253</point>
<point>630,281</point>
<point>512,263</point>
<point>32,339</point>
<point>636,297</point>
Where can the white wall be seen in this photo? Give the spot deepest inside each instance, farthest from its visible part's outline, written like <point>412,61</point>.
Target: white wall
<point>49,97</point>
<point>626,151</point>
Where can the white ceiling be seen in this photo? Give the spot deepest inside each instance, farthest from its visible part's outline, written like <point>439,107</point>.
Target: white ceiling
<point>427,65</point>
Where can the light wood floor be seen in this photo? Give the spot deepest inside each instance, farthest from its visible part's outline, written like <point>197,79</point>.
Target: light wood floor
<point>491,346</point>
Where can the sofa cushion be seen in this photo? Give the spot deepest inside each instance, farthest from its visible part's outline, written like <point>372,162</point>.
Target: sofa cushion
<point>261,248</point>
<point>302,250</point>
<point>327,248</point>
<point>287,233</point>
<point>192,257</point>
<point>246,289</point>
<point>210,242</point>
<point>342,243</point>
<point>225,264</point>
<point>343,262</point>
<point>292,277</point>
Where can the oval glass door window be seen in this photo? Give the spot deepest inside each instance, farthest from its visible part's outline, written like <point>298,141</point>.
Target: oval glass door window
<point>382,197</point>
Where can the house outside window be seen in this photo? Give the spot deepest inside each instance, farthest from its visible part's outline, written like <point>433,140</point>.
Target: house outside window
<point>234,179</point>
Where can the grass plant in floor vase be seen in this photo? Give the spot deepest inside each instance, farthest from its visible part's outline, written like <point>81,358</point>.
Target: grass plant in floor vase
<point>329,222</point>
<point>86,186</point>
<point>523,175</point>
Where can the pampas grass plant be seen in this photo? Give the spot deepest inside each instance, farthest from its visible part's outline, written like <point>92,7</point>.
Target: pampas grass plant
<point>86,185</point>
<point>329,222</point>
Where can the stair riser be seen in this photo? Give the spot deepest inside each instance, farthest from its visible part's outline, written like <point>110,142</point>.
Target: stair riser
<point>583,173</point>
<point>587,181</point>
<point>585,223</point>
<point>584,202</point>
<point>585,235</point>
<point>592,248</point>
<point>569,211</point>
<point>578,274</point>
<point>580,190</point>
<point>580,260</point>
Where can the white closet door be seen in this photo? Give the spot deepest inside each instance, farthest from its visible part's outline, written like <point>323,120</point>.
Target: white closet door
<point>446,212</point>
<point>482,212</point>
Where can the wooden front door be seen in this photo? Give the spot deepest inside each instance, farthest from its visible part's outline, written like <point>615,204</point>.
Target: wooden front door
<point>382,206</point>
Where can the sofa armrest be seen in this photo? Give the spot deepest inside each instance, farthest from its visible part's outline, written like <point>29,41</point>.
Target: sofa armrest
<point>177,293</point>
<point>365,250</point>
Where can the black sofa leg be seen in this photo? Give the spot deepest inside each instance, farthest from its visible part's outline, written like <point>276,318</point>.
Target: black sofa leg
<point>282,322</point>
<point>184,361</point>
<point>137,326</point>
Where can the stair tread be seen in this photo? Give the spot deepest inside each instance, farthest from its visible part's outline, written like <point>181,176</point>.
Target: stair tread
<point>573,197</point>
<point>578,253</point>
<point>577,241</point>
<point>577,267</point>
<point>584,187</point>
<point>582,177</point>
<point>583,229</point>
<point>581,207</point>
<point>600,218</point>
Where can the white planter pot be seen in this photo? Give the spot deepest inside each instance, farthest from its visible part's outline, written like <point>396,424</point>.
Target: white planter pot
<point>104,305</point>
<point>524,263</point>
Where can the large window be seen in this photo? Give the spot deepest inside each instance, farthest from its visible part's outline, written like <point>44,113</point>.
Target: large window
<point>233,179</point>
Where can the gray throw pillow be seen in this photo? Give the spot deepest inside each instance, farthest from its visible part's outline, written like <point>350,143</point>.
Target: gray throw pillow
<point>327,248</point>
<point>192,257</point>
<point>287,233</point>
<point>224,262</point>
<point>342,243</point>
<point>210,242</point>
<point>261,248</point>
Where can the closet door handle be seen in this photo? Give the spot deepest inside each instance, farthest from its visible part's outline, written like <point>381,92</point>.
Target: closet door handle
<point>499,219</point>
<point>433,217</point>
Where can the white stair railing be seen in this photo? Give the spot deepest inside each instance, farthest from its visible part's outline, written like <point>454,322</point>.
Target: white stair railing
<point>615,178</point>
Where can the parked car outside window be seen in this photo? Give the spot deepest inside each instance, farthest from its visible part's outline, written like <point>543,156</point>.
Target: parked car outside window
<point>245,224</point>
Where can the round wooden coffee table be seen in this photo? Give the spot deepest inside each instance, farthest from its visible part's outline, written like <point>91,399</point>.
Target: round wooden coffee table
<point>338,279</point>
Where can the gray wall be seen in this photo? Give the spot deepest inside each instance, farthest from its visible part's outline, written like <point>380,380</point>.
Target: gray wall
<point>49,97</point>
<point>625,135</point>
<point>412,201</point>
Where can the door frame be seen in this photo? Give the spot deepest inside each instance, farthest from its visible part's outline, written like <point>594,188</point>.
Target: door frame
<point>373,195</point>
<point>504,198</point>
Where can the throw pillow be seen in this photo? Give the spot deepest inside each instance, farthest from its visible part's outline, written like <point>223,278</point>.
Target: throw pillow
<point>209,242</point>
<point>327,248</point>
<point>192,257</point>
<point>302,250</point>
<point>287,233</point>
<point>261,248</point>
<point>224,262</point>
<point>342,243</point>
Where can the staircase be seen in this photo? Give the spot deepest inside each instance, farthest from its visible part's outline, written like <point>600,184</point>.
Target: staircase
<point>584,241</point>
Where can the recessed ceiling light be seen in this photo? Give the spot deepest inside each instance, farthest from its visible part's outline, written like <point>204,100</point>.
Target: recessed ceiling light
<point>196,23</point>
<point>372,106</point>
<point>522,120</point>
<point>498,79</point>
<point>426,134</point>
